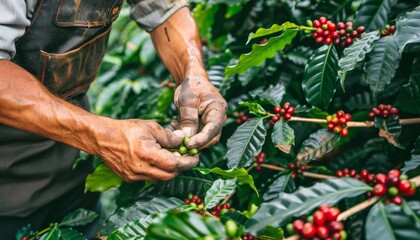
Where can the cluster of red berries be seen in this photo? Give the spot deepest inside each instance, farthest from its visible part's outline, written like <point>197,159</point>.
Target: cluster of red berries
<point>167,84</point>
<point>341,34</point>
<point>286,112</point>
<point>220,209</point>
<point>250,237</point>
<point>364,175</point>
<point>322,224</point>
<point>297,168</point>
<point>389,30</point>
<point>259,159</point>
<point>338,122</point>
<point>193,200</point>
<point>241,117</point>
<point>384,111</point>
<point>393,185</point>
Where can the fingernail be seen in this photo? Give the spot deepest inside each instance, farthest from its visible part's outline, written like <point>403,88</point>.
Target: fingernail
<point>187,131</point>
<point>177,154</point>
<point>179,133</point>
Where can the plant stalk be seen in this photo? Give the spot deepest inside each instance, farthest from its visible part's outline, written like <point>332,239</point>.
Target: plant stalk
<point>306,174</point>
<point>366,124</point>
<point>359,207</point>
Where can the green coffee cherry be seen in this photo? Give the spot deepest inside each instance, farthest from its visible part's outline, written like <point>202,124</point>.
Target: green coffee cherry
<point>223,211</point>
<point>343,234</point>
<point>310,219</point>
<point>186,139</point>
<point>393,191</point>
<point>290,229</point>
<point>403,177</point>
<point>231,228</point>
<point>182,150</point>
<point>193,151</point>
<point>309,23</point>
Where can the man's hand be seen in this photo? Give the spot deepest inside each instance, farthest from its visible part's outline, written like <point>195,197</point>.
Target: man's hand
<point>201,107</point>
<point>202,111</point>
<point>135,150</point>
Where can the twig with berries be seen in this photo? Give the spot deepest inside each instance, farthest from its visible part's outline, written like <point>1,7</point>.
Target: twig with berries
<point>284,112</point>
<point>323,224</point>
<point>304,173</point>
<point>384,111</point>
<point>338,122</point>
<point>240,117</point>
<point>341,34</point>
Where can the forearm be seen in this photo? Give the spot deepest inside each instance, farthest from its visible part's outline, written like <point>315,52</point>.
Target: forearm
<point>25,104</point>
<point>178,44</point>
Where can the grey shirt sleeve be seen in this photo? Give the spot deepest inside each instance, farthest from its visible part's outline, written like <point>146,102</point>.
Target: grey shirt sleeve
<point>149,14</point>
<point>13,22</point>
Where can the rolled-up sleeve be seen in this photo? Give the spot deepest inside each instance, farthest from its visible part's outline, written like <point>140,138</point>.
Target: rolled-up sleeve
<point>13,22</point>
<point>149,14</point>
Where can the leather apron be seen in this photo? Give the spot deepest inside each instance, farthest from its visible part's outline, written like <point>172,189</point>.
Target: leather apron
<point>63,49</point>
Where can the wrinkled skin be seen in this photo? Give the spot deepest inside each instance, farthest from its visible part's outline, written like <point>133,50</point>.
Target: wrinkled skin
<point>202,110</point>
<point>138,152</point>
<point>133,149</point>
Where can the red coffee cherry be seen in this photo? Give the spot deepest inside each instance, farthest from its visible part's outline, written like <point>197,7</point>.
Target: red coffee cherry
<point>381,178</point>
<point>332,214</point>
<point>322,232</point>
<point>319,218</point>
<point>397,200</point>
<point>309,230</point>
<point>379,189</point>
<point>335,226</point>
<point>404,186</point>
<point>298,225</point>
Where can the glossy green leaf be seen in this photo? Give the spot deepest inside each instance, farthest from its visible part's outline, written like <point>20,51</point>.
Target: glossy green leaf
<point>218,191</point>
<point>317,145</point>
<point>356,53</point>
<point>260,53</point>
<point>53,234</point>
<point>102,179</point>
<point>382,64</point>
<point>409,98</point>
<point>275,28</point>
<point>70,234</point>
<point>241,175</point>
<point>234,215</point>
<point>320,76</point>
<point>216,72</point>
<point>390,129</point>
<point>283,136</point>
<point>272,95</point>
<point>140,210</point>
<point>413,164</point>
<point>79,217</point>
<point>282,184</point>
<point>407,33</point>
<point>393,222</point>
<point>184,226</point>
<point>303,201</point>
<point>254,108</point>
<point>245,143</point>
<point>104,100</point>
<point>132,231</point>
<point>374,14</point>
<point>182,185</point>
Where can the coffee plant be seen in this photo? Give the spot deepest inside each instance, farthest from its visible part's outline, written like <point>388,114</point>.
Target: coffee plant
<point>322,139</point>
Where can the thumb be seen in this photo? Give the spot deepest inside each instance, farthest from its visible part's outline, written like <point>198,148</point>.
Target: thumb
<point>188,120</point>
